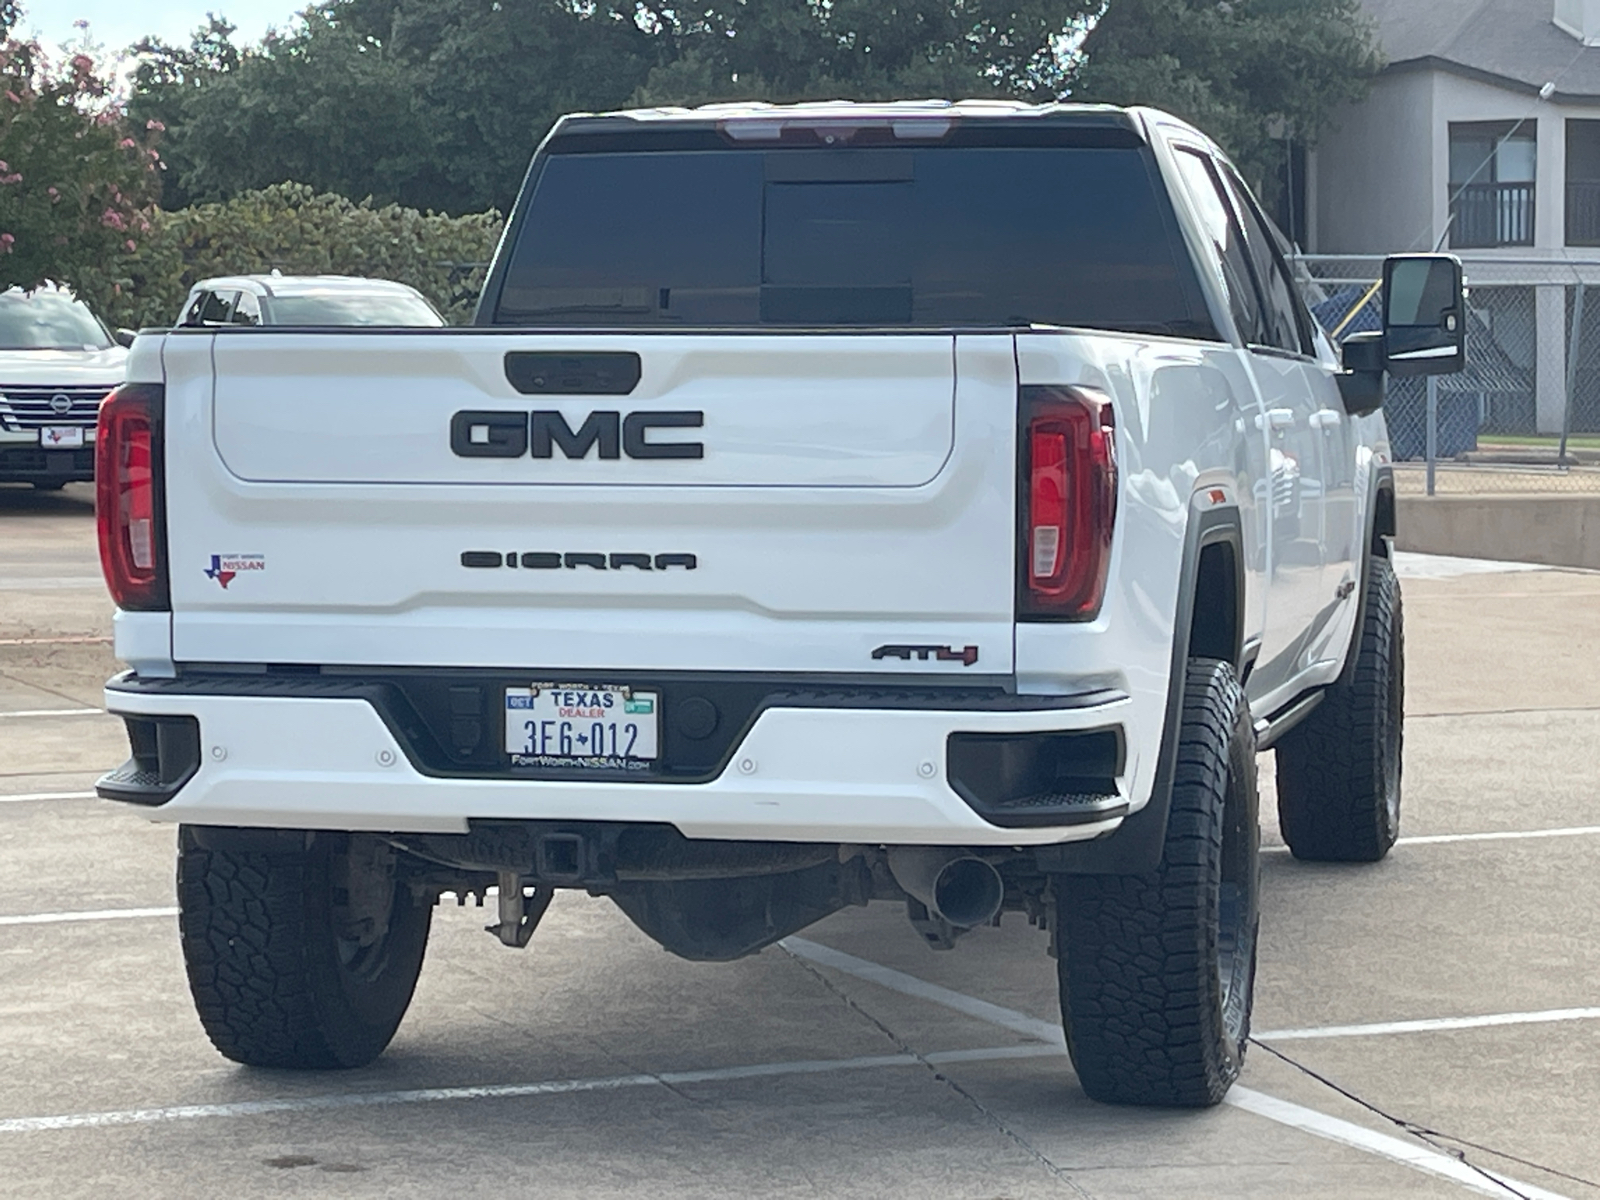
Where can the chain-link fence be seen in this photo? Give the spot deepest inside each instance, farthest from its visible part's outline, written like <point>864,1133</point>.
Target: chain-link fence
<point>1525,414</point>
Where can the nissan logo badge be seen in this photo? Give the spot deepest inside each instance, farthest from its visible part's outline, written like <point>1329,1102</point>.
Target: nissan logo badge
<point>61,404</point>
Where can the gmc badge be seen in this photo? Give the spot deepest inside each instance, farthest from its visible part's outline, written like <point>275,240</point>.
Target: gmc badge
<point>501,433</point>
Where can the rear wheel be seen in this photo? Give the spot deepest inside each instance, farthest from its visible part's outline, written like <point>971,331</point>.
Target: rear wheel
<point>1339,769</point>
<point>301,952</point>
<point>1157,970</point>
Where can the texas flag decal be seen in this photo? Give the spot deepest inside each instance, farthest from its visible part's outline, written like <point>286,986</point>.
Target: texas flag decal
<point>225,567</point>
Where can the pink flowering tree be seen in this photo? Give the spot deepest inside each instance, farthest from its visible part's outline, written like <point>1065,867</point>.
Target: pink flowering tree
<point>77,180</point>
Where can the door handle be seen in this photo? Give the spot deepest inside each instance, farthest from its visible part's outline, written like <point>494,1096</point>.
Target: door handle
<point>1276,419</point>
<point>1325,418</point>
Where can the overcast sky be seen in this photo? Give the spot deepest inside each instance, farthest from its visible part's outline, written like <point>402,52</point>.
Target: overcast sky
<point>117,24</point>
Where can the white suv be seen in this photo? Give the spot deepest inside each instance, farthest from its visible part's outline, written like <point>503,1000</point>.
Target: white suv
<point>57,363</point>
<point>306,300</point>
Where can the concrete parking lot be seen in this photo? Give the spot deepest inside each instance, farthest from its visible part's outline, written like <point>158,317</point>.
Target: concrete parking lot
<point>1451,991</point>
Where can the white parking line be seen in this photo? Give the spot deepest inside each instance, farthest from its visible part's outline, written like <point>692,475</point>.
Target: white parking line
<point>1358,1137</point>
<point>103,914</point>
<point>1296,1116</point>
<point>1442,839</point>
<point>1496,835</point>
<point>83,640</point>
<point>47,796</point>
<point>52,583</point>
<point>1430,1025</point>
<point>553,1087</point>
<point>910,985</point>
<point>55,712</point>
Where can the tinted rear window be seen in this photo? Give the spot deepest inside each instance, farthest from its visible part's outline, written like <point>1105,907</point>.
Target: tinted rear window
<point>338,308</point>
<point>934,236</point>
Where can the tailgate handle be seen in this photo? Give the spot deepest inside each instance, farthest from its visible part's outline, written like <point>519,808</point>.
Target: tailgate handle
<point>553,373</point>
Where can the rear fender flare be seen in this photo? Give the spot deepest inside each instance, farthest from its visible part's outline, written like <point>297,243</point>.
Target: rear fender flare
<point>1135,846</point>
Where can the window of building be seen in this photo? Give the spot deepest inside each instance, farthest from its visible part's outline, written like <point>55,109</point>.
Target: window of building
<point>1492,168</point>
<point>1583,183</point>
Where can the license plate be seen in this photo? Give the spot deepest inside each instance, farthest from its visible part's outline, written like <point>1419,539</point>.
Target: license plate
<point>61,437</point>
<point>582,725</point>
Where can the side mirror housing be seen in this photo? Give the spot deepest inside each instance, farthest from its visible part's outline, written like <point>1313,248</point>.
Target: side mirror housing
<point>124,337</point>
<point>1361,382</point>
<point>1424,314</point>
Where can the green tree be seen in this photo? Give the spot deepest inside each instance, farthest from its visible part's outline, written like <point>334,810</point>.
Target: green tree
<point>1247,72</point>
<point>784,50</point>
<point>320,103</point>
<point>432,103</point>
<point>495,74</point>
<point>77,178</point>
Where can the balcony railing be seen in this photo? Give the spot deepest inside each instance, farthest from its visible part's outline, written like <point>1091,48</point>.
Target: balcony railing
<point>1583,212</point>
<point>1491,214</point>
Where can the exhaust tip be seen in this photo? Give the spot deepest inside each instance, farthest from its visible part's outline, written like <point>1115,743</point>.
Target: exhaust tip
<point>968,892</point>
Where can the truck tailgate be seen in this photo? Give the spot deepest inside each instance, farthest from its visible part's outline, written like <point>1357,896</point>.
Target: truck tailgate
<point>852,492</point>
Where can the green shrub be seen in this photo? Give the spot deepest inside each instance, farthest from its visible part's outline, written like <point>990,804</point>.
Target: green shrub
<point>290,228</point>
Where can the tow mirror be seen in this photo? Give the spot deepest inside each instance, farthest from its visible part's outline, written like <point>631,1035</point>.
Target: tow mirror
<point>1424,315</point>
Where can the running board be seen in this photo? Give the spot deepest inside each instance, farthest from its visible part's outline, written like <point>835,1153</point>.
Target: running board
<point>1270,729</point>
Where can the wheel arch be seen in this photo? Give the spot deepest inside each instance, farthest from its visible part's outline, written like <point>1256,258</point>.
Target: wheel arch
<point>1209,621</point>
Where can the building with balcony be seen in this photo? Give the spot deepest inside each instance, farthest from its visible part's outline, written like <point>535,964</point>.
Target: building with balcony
<point>1481,136</point>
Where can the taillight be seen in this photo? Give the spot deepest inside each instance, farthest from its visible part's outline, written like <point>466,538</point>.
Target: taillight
<point>1067,502</point>
<point>128,489</point>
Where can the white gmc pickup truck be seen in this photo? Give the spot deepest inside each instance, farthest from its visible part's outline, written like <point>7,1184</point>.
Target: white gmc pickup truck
<point>923,502</point>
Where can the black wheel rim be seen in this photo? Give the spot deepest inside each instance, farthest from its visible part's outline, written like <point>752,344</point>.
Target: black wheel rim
<point>365,931</point>
<point>364,962</point>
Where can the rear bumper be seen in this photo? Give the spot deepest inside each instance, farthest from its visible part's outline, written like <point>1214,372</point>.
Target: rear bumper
<point>804,774</point>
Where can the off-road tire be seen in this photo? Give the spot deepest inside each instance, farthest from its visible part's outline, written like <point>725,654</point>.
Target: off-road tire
<point>273,981</point>
<point>1157,970</point>
<point>1339,769</point>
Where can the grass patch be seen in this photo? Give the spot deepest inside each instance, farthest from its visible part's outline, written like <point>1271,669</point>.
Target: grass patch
<point>1578,441</point>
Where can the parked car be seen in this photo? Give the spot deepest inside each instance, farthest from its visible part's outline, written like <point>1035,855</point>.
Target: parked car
<point>939,504</point>
<point>57,362</point>
<point>306,300</point>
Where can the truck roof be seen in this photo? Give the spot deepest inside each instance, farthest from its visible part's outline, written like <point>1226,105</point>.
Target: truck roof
<point>909,119</point>
<point>303,285</point>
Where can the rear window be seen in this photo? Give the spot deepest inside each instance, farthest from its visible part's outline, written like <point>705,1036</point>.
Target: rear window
<point>932,236</point>
<point>344,308</point>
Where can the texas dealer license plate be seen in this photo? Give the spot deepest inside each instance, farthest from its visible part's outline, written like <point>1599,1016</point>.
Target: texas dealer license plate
<point>580,725</point>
